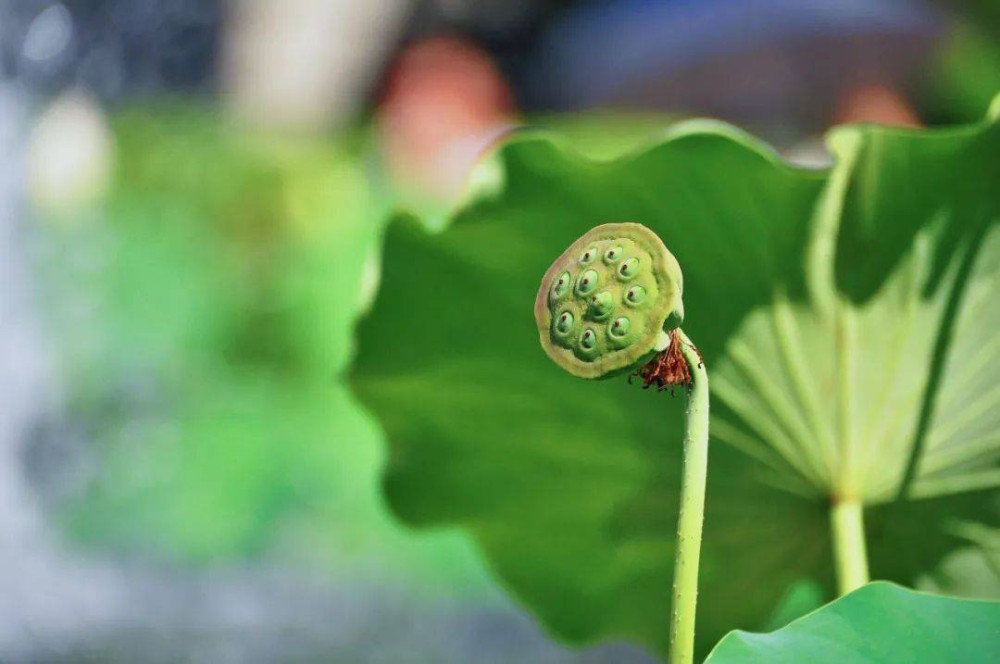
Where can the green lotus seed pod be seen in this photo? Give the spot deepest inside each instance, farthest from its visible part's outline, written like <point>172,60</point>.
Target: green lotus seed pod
<point>629,269</point>
<point>636,271</point>
<point>601,306</point>
<point>564,323</point>
<point>587,282</point>
<point>635,296</point>
<point>561,285</point>
<point>619,328</point>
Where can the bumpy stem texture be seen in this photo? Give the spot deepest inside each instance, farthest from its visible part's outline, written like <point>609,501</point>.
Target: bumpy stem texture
<point>848,529</point>
<point>692,509</point>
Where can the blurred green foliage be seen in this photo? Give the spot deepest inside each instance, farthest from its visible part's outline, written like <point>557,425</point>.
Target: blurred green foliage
<point>965,72</point>
<point>220,286</point>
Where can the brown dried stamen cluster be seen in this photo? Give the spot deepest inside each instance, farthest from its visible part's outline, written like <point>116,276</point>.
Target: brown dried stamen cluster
<point>668,369</point>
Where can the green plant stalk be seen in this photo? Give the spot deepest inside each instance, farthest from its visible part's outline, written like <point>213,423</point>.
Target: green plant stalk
<point>848,529</point>
<point>692,513</point>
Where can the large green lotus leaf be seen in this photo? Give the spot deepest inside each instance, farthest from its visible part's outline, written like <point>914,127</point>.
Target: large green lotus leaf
<point>880,623</point>
<point>487,431</point>
<point>570,486</point>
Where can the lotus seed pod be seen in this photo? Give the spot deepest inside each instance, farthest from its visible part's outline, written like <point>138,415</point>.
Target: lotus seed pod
<point>605,302</point>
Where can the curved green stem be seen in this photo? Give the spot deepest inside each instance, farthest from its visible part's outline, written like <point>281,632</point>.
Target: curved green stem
<point>848,529</point>
<point>692,512</point>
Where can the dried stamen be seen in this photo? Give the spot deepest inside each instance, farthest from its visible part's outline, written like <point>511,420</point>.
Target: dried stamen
<point>668,368</point>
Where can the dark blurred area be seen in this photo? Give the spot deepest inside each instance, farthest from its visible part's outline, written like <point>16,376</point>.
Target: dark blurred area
<point>769,62</point>
<point>192,194</point>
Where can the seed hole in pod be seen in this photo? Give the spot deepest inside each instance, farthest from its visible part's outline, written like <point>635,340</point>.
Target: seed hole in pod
<point>635,295</point>
<point>612,254</point>
<point>561,285</point>
<point>619,328</point>
<point>564,323</point>
<point>629,268</point>
<point>601,305</point>
<point>588,255</point>
<point>588,339</point>
<point>587,283</point>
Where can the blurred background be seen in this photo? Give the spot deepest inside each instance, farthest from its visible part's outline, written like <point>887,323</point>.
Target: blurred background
<point>192,194</point>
